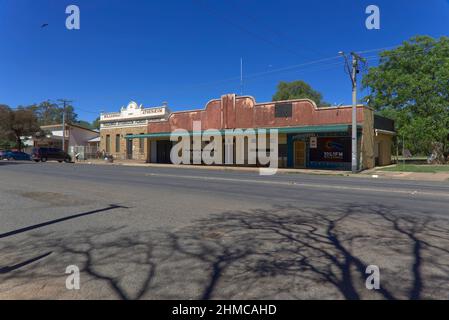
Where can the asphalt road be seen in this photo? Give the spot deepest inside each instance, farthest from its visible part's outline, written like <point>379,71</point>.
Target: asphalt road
<point>166,233</point>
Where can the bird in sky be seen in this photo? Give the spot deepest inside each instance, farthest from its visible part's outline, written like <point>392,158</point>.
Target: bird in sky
<point>44,25</point>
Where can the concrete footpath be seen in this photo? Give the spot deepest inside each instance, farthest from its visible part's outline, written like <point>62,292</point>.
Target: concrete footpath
<point>371,173</point>
<point>419,176</point>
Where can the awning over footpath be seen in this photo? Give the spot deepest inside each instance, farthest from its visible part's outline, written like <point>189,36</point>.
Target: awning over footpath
<point>304,129</point>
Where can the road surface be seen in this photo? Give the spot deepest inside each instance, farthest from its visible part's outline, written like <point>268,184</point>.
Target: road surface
<point>168,233</point>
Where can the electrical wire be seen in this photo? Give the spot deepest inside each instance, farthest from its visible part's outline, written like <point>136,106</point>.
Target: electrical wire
<point>214,12</point>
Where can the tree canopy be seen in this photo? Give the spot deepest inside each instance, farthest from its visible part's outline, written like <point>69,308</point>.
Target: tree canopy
<point>51,113</point>
<point>15,124</point>
<point>298,90</point>
<point>411,86</point>
<point>26,121</point>
<point>96,124</point>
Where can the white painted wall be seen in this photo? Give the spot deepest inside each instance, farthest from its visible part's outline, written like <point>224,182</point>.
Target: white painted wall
<point>80,137</point>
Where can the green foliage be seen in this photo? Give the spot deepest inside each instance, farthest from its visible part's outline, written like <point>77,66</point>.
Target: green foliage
<point>51,113</point>
<point>96,124</point>
<point>84,124</point>
<point>417,168</point>
<point>17,123</point>
<point>26,121</point>
<point>298,90</point>
<point>4,117</point>
<point>6,144</point>
<point>411,86</point>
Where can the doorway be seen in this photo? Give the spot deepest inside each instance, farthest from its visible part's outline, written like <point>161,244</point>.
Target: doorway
<point>129,149</point>
<point>163,148</point>
<point>300,154</point>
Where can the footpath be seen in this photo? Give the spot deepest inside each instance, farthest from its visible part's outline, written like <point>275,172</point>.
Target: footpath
<point>371,173</point>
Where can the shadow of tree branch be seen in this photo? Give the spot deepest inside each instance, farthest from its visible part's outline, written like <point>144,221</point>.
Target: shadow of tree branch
<point>285,251</point>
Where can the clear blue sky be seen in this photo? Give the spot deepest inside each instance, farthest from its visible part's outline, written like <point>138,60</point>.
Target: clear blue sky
<point>187,52</point>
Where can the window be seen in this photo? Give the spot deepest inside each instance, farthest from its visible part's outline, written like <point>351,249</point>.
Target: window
<point>117,143</point>
<point>282,150</point>
<point>332,149</point>
<point>141,144</point>
<point>108,143</point>
<point>283,110</point>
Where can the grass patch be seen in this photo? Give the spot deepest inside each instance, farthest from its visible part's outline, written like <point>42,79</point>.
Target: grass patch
<point>418,168</point>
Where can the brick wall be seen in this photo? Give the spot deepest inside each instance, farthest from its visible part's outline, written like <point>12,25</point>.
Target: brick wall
<point>137,152</point>
<point>232,111</point>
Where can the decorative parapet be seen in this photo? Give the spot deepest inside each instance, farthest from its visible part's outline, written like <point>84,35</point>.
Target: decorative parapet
<point>134,112</point>
<point>109,115</point>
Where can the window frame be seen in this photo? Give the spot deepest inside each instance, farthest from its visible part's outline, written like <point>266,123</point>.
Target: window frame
<point>117,143</point>
<point>283,110</point>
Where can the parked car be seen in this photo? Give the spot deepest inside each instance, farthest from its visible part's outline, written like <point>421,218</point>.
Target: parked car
<point>44,154</point>
<point>15,155</point>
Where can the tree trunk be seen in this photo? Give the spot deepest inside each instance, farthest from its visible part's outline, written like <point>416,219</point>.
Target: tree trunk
<point>19,143</point>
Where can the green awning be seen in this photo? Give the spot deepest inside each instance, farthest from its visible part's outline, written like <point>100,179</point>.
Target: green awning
<point>304,129</point>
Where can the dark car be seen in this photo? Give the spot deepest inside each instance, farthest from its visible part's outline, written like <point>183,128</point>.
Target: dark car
<point>44,154</point>
<point>15,155</point>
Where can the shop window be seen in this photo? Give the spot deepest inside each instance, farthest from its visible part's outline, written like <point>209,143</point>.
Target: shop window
<point>282,152</point>
<point>108,143</point>
<point>332,149</point>
<point>283,110</point>
<point>117,143</point>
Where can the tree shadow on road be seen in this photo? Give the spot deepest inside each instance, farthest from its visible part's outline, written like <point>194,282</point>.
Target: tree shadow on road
<point>284,252</point>
<point>47,223</point>
<point>331,248</point>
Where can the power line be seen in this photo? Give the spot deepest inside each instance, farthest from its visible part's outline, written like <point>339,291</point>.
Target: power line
<point>87,111</point>
<point>273,30</point>
<point>212,11</point>
<point>298,66</point>
<point>264,73</point>
<point>318,68</point>
<point>378,49</point>
<point>414,50</point>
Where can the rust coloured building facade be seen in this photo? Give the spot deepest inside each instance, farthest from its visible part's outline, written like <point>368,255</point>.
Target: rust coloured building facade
<point>308,136</point>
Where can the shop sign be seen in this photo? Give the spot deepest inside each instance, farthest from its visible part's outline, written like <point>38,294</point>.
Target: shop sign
<point>313,142</point>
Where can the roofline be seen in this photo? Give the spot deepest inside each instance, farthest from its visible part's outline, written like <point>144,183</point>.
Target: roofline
<point>68,125</point>
<point>265,103</point>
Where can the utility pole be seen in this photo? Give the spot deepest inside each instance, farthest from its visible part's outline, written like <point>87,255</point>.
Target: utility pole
<point>353,71</point>
<point>64,104</point>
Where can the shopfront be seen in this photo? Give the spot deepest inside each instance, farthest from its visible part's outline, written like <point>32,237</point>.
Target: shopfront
<point>307,136</point>
<point>320,150</point>
<point>131,119</point>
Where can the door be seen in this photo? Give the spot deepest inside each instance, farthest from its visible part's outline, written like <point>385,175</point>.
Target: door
<point>153,152</point>
<point>163,151</point>
<point>376,153</point>
<point>300,154</point>
<point>129,149</point>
